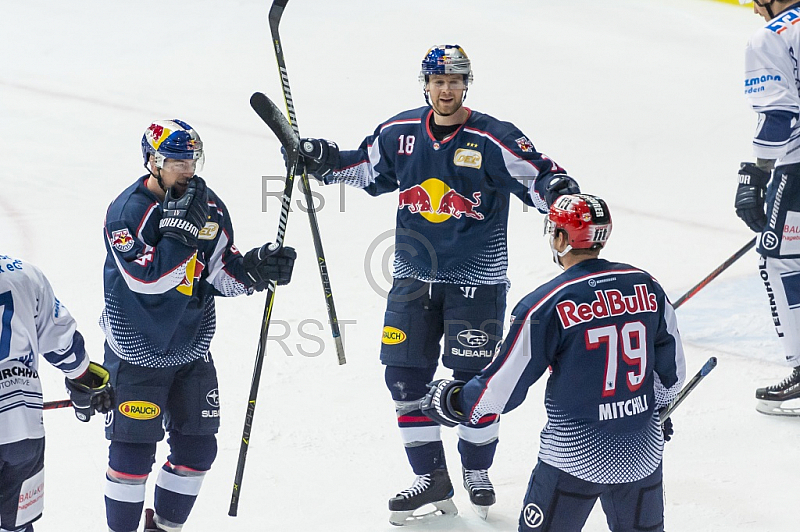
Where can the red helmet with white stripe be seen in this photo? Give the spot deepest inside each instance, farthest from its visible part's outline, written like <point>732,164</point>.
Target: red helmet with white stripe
<point>584,218</point>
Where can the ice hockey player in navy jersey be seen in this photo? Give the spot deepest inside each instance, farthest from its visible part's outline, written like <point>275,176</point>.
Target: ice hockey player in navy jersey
<point>455,170</point>
<point>771,87</point>
<point>608,335</point>
<point>34,322</point>
<point>170,252</point>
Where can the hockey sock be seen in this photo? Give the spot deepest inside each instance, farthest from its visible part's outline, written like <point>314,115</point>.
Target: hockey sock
<point>179,480</point>
<point>421,435</point>
<point>128,467</point>
<point>425,458</point>
<point>124,495</point>
<point>177,488</point>
<point>477,443</point>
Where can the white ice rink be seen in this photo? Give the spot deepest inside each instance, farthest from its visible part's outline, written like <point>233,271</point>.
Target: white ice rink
<point>641,100</point>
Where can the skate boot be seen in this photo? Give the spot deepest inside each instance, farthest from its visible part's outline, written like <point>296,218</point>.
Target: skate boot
<point>434,489</point>
<point>771,399</point>
<point>481,491</point>
<point>149,524</point>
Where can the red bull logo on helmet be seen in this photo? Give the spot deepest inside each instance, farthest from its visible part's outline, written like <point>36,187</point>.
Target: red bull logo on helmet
<point>157,134</point>
<point>437,202</point>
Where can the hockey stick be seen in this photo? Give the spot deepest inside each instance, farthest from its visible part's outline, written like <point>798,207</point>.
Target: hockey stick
<point>404,407</point>
<point>710,364</point>
<point>275,14</point>
<point>713,275</point>
<point>52,405</point>
<point>273,117</point>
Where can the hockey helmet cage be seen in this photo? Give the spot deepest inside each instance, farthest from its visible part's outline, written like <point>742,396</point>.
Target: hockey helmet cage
<point>584,218</point>
<point>172,139</point>
<point>446,59</point>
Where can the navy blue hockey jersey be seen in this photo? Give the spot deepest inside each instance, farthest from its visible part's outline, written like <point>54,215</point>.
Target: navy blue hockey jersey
<point>454,194</point>
<point>609,335</point>
<point>159,293</point>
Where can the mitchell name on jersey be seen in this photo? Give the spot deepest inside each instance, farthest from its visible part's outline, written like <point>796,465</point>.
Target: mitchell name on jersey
<point>609,335</point>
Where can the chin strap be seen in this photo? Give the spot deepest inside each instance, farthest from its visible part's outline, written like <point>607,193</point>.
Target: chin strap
<point>556,254</point>
<point>157,176</point>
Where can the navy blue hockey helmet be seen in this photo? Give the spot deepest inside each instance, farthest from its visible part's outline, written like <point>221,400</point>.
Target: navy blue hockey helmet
<point>172,139</point>
<point>446,59</point>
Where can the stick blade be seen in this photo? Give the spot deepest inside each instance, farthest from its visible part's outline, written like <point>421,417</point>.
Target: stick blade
<point>274,118</point>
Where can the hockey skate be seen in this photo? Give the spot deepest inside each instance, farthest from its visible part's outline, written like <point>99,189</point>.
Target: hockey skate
<point>481,491</point>
<point>149,524</point>
<point>432,489</point>
<point>772,399</point>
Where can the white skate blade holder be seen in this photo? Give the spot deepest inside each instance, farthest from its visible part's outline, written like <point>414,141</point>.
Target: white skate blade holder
<point>779,408</point>
<point>435,510</point>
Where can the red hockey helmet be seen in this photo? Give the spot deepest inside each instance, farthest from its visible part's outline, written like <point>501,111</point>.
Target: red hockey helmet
<point>584,218</point>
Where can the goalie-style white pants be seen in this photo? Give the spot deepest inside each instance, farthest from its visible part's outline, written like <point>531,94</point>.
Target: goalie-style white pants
<point>781,278</point>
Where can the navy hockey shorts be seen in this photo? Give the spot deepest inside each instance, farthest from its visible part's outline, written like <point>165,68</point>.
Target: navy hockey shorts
<point>559,502</point>
<point>183,398</point>
<point>781,237</point>
<point>21,483</point>
<point>419,314</point>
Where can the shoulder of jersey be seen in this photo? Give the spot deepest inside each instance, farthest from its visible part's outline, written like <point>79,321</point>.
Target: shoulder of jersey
<point>130,198</point>
<point>412,114</point>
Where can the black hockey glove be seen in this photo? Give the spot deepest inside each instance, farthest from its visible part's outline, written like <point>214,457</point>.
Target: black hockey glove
<point>91,392</point>
<point>265,264</point>
<point>185,216</point>
<point>440,402</point>
<point>559,185</point>
<point>667,430</point>
<point>320,156</point>
<point>750,196</point>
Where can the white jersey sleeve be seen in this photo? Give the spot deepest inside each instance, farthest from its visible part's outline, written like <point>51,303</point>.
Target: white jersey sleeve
<point>32,322</point>
<point>771,86</point>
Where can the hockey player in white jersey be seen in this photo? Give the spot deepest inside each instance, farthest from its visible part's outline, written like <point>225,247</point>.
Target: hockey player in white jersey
<point>34,322</point>
<point>773,181</point>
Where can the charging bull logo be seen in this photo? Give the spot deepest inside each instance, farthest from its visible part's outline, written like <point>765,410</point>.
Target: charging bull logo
<point>139,410</point>
<point>157,133</point>
<point>122,240</point>
<point>420,199</point>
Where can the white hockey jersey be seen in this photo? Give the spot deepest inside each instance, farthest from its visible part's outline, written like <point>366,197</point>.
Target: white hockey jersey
<point>32,322</point>
<point>772,86</point>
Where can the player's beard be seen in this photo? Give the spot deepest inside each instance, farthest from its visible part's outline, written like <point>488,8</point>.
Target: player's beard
<point>437,108</point>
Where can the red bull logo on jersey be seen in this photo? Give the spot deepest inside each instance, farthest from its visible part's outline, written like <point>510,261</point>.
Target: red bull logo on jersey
<point>437,202</point>
<point>122,240</point>
<point>524,144</point>
<point>607,303</point>
<point>139,410</point>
